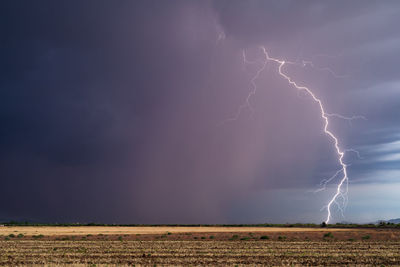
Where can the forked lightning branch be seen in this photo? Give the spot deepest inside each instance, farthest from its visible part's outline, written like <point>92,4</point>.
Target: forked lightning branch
<point>341,189</point>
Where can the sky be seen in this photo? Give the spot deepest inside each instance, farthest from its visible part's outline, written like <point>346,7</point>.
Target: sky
<point>119,111</point>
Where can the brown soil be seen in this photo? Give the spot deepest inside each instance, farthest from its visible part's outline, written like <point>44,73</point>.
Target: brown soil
<point>195,233</point>
<point>195,253</point>
<point>107,230</point>
<point>123,246</point>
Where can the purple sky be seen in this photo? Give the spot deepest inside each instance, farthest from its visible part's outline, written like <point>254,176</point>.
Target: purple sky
<point>113,111</point>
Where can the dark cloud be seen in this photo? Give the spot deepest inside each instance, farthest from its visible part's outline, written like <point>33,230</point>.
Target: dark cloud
<point>112,111</point>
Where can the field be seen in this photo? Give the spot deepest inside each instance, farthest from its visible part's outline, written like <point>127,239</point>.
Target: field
<point>197,246</point>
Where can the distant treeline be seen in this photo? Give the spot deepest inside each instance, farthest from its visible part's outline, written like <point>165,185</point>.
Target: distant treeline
<point>301,225</point>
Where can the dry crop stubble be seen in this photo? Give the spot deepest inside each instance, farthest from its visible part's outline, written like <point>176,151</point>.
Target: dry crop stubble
<point>58,246</point>
<point>198,252</point>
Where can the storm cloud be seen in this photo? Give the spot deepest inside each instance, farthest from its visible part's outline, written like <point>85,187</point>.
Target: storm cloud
<point>117,111</point>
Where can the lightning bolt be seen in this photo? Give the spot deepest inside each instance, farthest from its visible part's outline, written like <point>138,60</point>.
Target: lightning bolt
<point>253,89</point>
<point>342,186</point>
<point>324,116</point>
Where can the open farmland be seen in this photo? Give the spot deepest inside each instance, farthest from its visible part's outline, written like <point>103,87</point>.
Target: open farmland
<point>115,230</point>
<point>198,246</point>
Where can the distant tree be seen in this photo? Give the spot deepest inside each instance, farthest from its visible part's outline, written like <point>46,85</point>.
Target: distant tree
<point>323,224</point>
